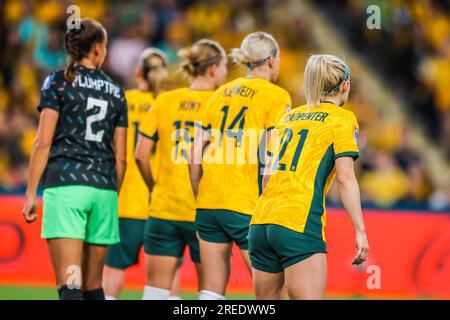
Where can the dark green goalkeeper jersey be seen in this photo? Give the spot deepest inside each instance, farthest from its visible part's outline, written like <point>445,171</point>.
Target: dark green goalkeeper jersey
<point>89,111</point>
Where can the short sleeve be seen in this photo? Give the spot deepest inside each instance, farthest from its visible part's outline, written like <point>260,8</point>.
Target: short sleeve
<point>346,138</point>
<point>149,127</point>
<point>277,110</point>
<point>49,97</point>
<point>122,119</point>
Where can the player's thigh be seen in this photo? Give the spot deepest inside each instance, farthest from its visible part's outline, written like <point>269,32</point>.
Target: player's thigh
<point>268,285</point>
<point>215,265</point>
<point>113,280</point>
<point>164,246</point>
<point>247,261</point>
<point>175,289</point>
<point>126,253</point>
<point>198,269</point>
<point>103,221</point>
<point>303,259</point>
<point>65,213</point>
<point>94,256</point>
<point>66,256</point>
<point>161,270</point>
<point>307,279</point>
<point>212,252</point>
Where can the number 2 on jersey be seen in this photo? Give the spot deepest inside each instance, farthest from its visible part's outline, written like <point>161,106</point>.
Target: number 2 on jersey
<point>284,142</point>
<point>103,105</point>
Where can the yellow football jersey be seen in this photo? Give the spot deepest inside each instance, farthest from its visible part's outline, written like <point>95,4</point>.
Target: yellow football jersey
<point>134,195</point>
<point>172,123</point>
<point>239,111</point>
<point>310,139</point>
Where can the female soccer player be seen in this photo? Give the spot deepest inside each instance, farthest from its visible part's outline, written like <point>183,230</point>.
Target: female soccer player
<point>228,189</point>
<point>81,147</point>
<point>318,141</point>
<point>150,74</point>
<point>170,126</point>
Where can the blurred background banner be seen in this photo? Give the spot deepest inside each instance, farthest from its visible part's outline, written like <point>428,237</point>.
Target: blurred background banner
<point>409,249</point>
<point>400,95</point>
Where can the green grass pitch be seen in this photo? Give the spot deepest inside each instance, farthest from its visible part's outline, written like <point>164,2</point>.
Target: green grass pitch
<point>46,293</point>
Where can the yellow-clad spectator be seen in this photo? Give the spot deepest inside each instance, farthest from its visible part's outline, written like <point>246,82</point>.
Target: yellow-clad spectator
<point>208,18</point>
<point>95,9</point>
<point>50,11</point>
<point>386,184</point>
<point>14,11</point>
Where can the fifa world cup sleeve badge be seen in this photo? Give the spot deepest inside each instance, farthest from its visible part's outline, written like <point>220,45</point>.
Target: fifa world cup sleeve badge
<point>47,82</point>
<point>355,134</point>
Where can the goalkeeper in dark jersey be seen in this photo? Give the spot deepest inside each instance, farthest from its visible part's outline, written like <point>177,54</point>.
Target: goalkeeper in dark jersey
<point>80,152</point>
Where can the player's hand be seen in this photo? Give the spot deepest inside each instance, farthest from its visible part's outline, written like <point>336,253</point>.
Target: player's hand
<point>362,248</point>
<point>29,210</point>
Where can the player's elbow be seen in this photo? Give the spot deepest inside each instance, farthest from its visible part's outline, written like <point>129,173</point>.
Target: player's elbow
<point>122,162</point>
<point>345,178</point>
<point>42,145</point>
<point>140,159</point>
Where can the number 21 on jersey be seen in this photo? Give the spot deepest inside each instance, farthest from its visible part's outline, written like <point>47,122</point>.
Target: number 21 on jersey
<point>284,144</point>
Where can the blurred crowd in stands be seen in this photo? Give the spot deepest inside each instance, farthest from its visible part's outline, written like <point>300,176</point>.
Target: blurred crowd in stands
<point>412,54</point>
<point>417,46</point>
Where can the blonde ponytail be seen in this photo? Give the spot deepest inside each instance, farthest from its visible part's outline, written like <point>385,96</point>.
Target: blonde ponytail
<point>255,50</point>
<point>240,57</point>
<point>196,59</point>
<point>187,62</point>
<point>324,75</point>
<point>153,64</point>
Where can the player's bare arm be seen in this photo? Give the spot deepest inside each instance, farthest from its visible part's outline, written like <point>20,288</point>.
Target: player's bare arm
<point>142,157</point>
<point>38,160</point>
<point>120,151</point>
<point>350,197</point>
<point>201,142</point>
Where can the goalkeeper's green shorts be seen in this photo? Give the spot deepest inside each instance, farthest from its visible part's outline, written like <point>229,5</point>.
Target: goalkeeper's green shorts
<point>81,212</point>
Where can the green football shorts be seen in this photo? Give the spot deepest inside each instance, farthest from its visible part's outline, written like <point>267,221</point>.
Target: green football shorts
<point>169,238</point>
<point>81,212</point>
<point>223,226</point>
<point>273,248</point>
<point>126,253</point>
